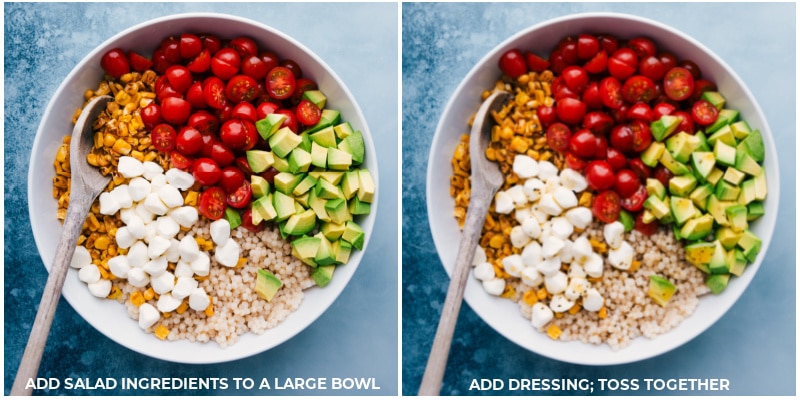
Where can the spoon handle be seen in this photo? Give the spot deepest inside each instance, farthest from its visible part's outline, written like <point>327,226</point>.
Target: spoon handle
<point>29,365</point>
<point>437,360</point>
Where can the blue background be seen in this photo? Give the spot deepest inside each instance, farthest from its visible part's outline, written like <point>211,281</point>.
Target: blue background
<point>753,345</point>
<point>356,337</point>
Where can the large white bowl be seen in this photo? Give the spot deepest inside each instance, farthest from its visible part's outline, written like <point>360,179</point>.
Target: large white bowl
<point>109,317</point>
<point>503,315</point>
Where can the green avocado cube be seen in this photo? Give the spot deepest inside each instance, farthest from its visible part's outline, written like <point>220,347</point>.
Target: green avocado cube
<point>738,263</point>
<point>323,274</point>
<point>269,125</point>
<point>728,237</point>
<point>755,210</point>
<point>329,117</point>
<point>267,284</point>
<point>259,160</point>
<point>343,130</point>
<point>682,145</point>
<point>354,234</point>
<point>341,251</point>
<point>358,207</point>
<point>317,97</point>
<point>326,190</point>
<point>656,206</point>
<point>697,228</point>
<point>699,253</point>
<point>299,160</point>
<point>300,224</point>
<point>719,262</point>
<point>699,196</point>
<point>318,205</point>
<point>740,129</point>
<point>674,166</point>
<point>284,206</point>
<point>319,155</point>
<point>354,145</point>
<point>304,186</point>
<point>324,137</point>
<point>724,134</point>
<point>717,282</point>
<point>653,153</point>
<point>682,209</point>
<point>750,244</point>
<point>761,185</point>
<point>366,186</point>
<point>726,191</point>
<point>284,141</point>
<point>285,182</point>
<point>263,209</point>
<point>714,98</point>
<point>726,117</point>
<point>349,184</point>
<point>703,163</point>
<point>755,145</point>
<point>682,185</point>
<point>331,230</point>
<point>339,160</point>
<point>715,176</point>
<point>258,185</point>
<point>306,246</point>
<point>733,176</point>
<point>338,211</point>
<point>324,254</point>
<point>664,126</point>
<point>725,154</point>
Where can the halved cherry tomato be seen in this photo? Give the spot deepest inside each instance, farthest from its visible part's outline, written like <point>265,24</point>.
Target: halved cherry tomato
<point>570,111</point>
<point>163,137</point>
<point>269,58</point>
<point>513,63</point>
<point>574,162</point>
<point>115,63</point>
<point>635,202</point>
<point>269,175</point>
<point>254,67</point>
<point>171,47</point>
<point>611,92</point>
<point>190,45</point>
<point>292,66</point>
<point>302,85</point>
<point>638,88</point>
<point>626,182</point>
<point>599,175</point>
<point>214,91</point>
<point>642,137</point>
<point>687,122</point>
<point>189,141</point>
<point>238,134</point>
<point>225,63</point>
<point>575,78</point>
<point>652,67</point>
<point>245,46</point>
<point>200,63</point>
<point>678,83</point>
<point>536,63</point>
<point>622,63</point>
<point>240,197</point>
<point>616,159</point>
<point>241,88</point>
<point>247,221</point>
<point>643,171</point>
<point>591,96</point>
<point>599,122</point>
<point>243,165</point>
<point>690,66</point>
<point>195,96</point>
<point>206,171</point>
<point>246,111</point>
<point>700,86</point>
<point>179,77</point>
<point>558,135</point>
<point>641,111</point>
<point>598,63</point>
<point>175,110</point>
<point>642,46</point>
<point>622,138</point>
<point>547,115</point>
<point>211,42</point>
<point>265,108</point>
<point>704,113</point>
<point>648,229</point>
<point>609,43</point>
<point>139,63</point>
<point>588,46</point>
<point>662,174</point>
<point>151,115</point>
<point>205,122</point>
<point>308,113</point>
<point>290,121</point>
<point>661,109</point>
<point>180,161</point>
<point>568,47</point>
<point>212,203</point>
<point>222,154</point>
<point>280,83</point>
<point>605,206</point>
<point>583,144</point>
<point>231,179</point>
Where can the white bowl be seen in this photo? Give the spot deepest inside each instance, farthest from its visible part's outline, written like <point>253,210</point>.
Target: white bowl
<point>110,317</point>
<point>503,315</point>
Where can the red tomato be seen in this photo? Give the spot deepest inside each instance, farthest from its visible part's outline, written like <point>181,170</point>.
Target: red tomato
<point>201,62</point>
<point>269,175</point>
<point>609,43</point>
<point>270,59</point>
<point>638,88</point>
<point>211,203</point>
<point>643,171</point>
<point>115,63</point>
<point>206,171</point>
<point>591,96</point>
<point>704,113</point>
<point>575,78</point>
<point>622,63</point>
<point>641,111</point>
<point>622,138</point>
<point>245,46</point>
<point>280,83</point>
<point>635,202</point>
<point>195,95</point>
<point>246,111</point>
<point>513,63</point>
<point>211,42</point>
<point>254,67</point>
<point>240,198</point>
<point>588,46</point>
<point>151,115</point>
<point>690,66</point>
<point>241,88</point>
<point>180,161</point>
<point>160,63</point>
<point>225,63</point>
<point>308,113</point>
<point>205,122</point>
<point>598,63</point>
<point>648,229</point>
<point>247,222</point>
<point>569,50</point>
<point>222,154</point>
<point>574,162</point>
<point>599,175</point>
<point>616,159</point>
<point>642,136</point>
<point>190,45</point>
<point>652,67</point>
<point>662,174</point>
<point>189,141</point>
<point>599,122</point>
<point>214,91</point>
<point>687,123</point>
<point>265,108</point>
<point>700,86</point>
<point>238,134</point>
<point>547,115</point>
<point>163,137</point>
<point>611,92</point>
<point>139,63</point>
<point>668,60</point>
<point>301,86</point>
<point>290,121</point>
<point>292,66</point>
<point>642,46</point>
<point>678,83</point>
<point>661,109</point>
<point>558,136</point>
<point>626,182</point>
<point>570,111</point>
<point>179,77</point>
<point>605,206</point>
<point>231,178</point>
<point>601,148</point>
<point>175,110</point>
<point>583,144</point>
<point>536,63</point>
<point>171,47</point>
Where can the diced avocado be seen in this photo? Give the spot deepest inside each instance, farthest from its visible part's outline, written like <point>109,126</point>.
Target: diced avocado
<point>656,206</point>
<point>284,141</point>
<point>349,184</point>
<point>733,176</point>
<point>717,210</point>
<point>341,251</point>
<point>682,209</point>
<point>339,160</point>
<point>329,117</point>
<point>308,261</point>
<point>267,284</point>
<point>354,145</point>
<point>324,254</point>
<point>748,192</point>
<point>739,262</point>
<point>305,142</point>
<point>726,191</point>
<point>316,97</point>
<point>285,182</point>
<point>660,290</point>
<point>664,126</point>
<point>746,163</point>
<point>750,245</point>
<point>338,211</point>
<point>326,190</point>
<point>647,217</point>
<point>699,253</point>
<point>682,145</point>
<point>300,224</point>
<point>625,218</point>
<point>715,176</point>
<point>343,130</point>
<point>258,185</point>
<point>331,230</point>
<point>737,215</point>
<point>698,227</point>
<point>264,209</point>
<point>717,282</point>
<point>366,186</point>
<point>740,129</point>
<point>725,135</point>
<point>728,237</point>
<point>714,98</point>
<point>653,153</point>
<point>299,160</point>
<point>306,246</point>
<point>358,207</point>
<point>703,141</point>
<point>284,206</point>
<point>725,154</point>
<point>318,205</point>
<point>703,163</point>
<point>755,144</point>
<point>304,186</point>
<point>269,125</point>
<point>682,185</point>
<point>354,235</point>
<point>259,160</point>
<point>726,116</point>
<point>677,168</point>
<point>334,177</point>
<point>755,210</point>
<point>281,164</point>
<point>323,274</point>
<point>655,187</point>
<point>319,155</point>
<point>761,185</point>
<point>699,195</point>
<point>233,217</point>
<point>718,263</point>
<point>324,137</point>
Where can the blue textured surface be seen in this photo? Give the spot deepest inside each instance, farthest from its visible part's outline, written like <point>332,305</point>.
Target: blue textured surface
<point>356,337</point>
<point>753,345</point>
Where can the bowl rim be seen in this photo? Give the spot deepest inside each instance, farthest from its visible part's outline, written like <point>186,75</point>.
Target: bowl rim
<point>211,351</point>
<point>477,304</point>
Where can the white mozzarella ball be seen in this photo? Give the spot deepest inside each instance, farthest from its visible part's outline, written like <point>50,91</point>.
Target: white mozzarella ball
<point>201,265</point>
<point>154,204</point>
<point>533,189</point>
<point>503,203</point>
<point>548,205</point>
<point>576,288</point>
<point>579,217</point>
<point>173,253</point>
<point>565,255</point>
<point>531,227</point>
<point>167,227</point>
<point>581,248</point>
<point>101,288</point>
<point>521,214</point>
<point>179,178</point>
<point>138,188</point>
<point>151,169</point>
<point>513,265</point>
<point>89,273</point>
<point>551,245</point>
<point>561,227</point>
<point>494,286</point>
<point>613,234</point>
<point>483,271</point>
<point>108,204</point>
<point>163,283</point>
<point>560,303</point>
<point>144,213</point>
<point>137,254</point>
<point>621,257</point>
<point>220,231</point>
<point>80,257</point>
<point>592,300</point>
<point>124,238</point>
<point>167,303</point>
<point>129,167</point>
<point>518,237</point>
<point>540,215</point>
<point>119,266</point>
<point>532,254</point>
<point>576,270</point>
<point>126,213</point>
<point>157,181</point>
<point>227,253</point>
<point>183,287</point>
<point>183,269</point>
<point>138,278</point>
<point>517,196</point>
<point>541,315</point>
<point>565,198</point>
<point>593,266</point>
<point>556,283</point>
<point>185,216</point>
<point>531,277</point>
<point>547,170</point>
<point>170,196</point>
<point>549,266</point>
<point>123,196</point>
<point>136,227</point>
<point>157,246</point>
<point>199,300</point>
<point>480,256</point>
<point>148,315</point>
<point>573,180</point>
<point>525,166</point>
<point>156,267</point>
<point>188,248</point>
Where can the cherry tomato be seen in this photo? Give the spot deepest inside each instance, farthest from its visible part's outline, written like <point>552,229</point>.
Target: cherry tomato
<point>648,229</point>
<point>557,63</point>
<point>246,111</point>
<point>598,63</point>
<point>591,96</point>
<point>601,148</point>
<point>171,47</point>
<point>641,111</point>
<point>164,89</point>
<point>231,178</point>
<point>583,144</point>
<point>247,221</point>
<point>642,46</point>
<point>179,77</point>
<point>605,206</point>
<point>668,59</point>
<point>570,111</point>
<point>678,83</point>
<point>687,122</point>
<point>574,162</point>
<point>195,96</point>
<point>638,88</point>
<point>163,137</point>
<point>652,67</point>
<point>160,63</point>
<point>290,121</point>
<point>206,171</point>
<point>265,108</point>
<point>558,136</point>
<point>611,92</point>
<point>704,113</point>
<point>662,174</point>
<point>205,122</point>
<point>200,63</point>
<point>622,138</point>
<point>243,165</point>
<point>269,58</point>
<point>569,50</point>
<point>214,91</point>
<point>151,116</point>
<point>547,115</point>
<point>211,42</point>
<point>254,67</point>
<point>240,198</point>
<point>622,63</point>
<point>575,78</point>
<point>626,182</point>
<point>225,63</point>
<point>241,88</point>
<point>599,175</point>
<point>222,154</point>
<point>635,202</point>
<point>238,134</point>
<point>175,110</point>
<point>536,63</point>
<point>189,141</point>
<point>642,136</point>
<point>701,86</point>
<point>190,45</point>
<point>292,66</point>
<point>616,159</point>
<point>609,43</point>
<point>620,114</point>
<point>245,46</point>
<point>308,113</point>
<point>588,46</point>
<point>180,161</point>
<point>211,203</point>
<point>513,63</point>
<point>690,66</point>
<point>280,83</point>
<point>637,166</point>
<point>661,109</point>
<point>301,86</point>
<point>139,63</point>
<point>115,63</point>
<point>599,122</point>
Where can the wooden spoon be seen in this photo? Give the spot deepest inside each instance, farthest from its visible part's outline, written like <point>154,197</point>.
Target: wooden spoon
<point>486,179</point>
<point>86,184</point>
